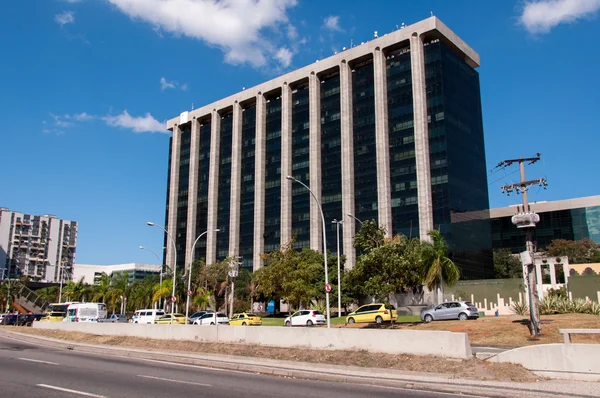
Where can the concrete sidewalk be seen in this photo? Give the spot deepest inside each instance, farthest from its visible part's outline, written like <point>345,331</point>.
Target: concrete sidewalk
<point>334,373</point>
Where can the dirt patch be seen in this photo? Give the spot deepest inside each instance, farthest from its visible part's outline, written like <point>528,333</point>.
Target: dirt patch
<point>509,331</point>
<point>472,368</point>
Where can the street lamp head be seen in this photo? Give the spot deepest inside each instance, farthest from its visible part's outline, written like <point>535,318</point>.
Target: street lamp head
<point>217,230</point>
<point>290,178</point>
<point>142,247</point>
<point>334,221</point>
<point>150,223</point>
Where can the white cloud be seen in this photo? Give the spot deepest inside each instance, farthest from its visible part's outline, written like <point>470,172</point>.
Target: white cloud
<point>73,1</point>
<point>141,124</point>
<point>82,116</point>
<point>541,16</point>
<point>332,22</point>
<point>65,18</point>
<point>59,122</point>
<point>284,56</point>
<point>164,84</point>
<point>237,27</point>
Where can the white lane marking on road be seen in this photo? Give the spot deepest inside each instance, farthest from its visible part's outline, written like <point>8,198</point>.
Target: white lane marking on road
<point>176,381</point>
<point>86,394</point>
<point>185,365</point>
<point>38,361</point>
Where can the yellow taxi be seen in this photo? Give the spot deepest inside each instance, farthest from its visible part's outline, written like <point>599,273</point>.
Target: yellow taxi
<point>53,317</point>
<point>166,319</point>
<point>376,312</point>
<point>244,319</point>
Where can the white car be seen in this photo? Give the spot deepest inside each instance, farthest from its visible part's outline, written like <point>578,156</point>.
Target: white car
<point>306,318</point>
<point>212,318</point>
<point>147,316</point>
<point>197,315</point>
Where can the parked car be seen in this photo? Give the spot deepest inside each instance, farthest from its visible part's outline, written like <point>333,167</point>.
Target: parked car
<point>306,318</point>
<point>197,315</point>
<point>212,318</point>
<point>176,319</point>
<point>244,319</point>
<point>2,318</point>
<point>461,310</point>
<point>147,315</point>
<point>54,316</point>
<point>373,313</point>
<point>114,318</point>
<point>18,320</point>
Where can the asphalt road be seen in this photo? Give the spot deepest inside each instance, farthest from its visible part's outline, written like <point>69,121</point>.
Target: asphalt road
<point>28,370</point>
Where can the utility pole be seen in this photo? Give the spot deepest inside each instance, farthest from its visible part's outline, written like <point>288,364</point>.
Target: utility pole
<point>527,219</point>
<point>233,273</point>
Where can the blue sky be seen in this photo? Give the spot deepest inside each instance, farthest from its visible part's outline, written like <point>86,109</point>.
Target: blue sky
<point>88,84</point>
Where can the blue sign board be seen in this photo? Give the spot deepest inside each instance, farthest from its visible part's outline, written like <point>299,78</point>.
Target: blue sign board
<point>271,306</point>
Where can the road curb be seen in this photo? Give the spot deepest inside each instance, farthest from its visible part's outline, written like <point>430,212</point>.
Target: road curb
<point>332,373</point>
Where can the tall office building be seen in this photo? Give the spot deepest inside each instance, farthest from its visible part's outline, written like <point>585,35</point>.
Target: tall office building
<point>389,130</point>
<point>36,246</point>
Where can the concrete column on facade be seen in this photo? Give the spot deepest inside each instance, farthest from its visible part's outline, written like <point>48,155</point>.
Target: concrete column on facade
<point>417,61</point>
<point>538,279</point>
<point>384,189</point>
<point>192,191</point>
<point>286,163</point>
<point>347,138</point>
<point>236,181</point>
<point>314,112</point>
<point>173,194</point>
<point>213,187</point>
<point>259,180</point>
<point>552,274</point>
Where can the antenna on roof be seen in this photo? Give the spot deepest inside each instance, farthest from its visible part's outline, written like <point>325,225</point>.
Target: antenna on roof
<point>431,12</point>
<point>375,34</point>
<point>192,106</point>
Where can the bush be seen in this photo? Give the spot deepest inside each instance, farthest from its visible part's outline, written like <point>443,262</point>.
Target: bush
<point>561,292</point>
<point>520,308</point>
<point>557,305</point>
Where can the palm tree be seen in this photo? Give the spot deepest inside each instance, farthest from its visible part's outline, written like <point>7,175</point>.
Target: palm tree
<point>162,291</point>
<point>119,284</point>
<point>76,291</point>
<point>438,267</point>
<point>48,294</point>
<point>201,299</point>
<point>101,291</point>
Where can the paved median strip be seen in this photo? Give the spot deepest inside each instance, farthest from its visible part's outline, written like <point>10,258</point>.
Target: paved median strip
<point>77,392</point>
<point>38,361</point>
<point>176,381</point>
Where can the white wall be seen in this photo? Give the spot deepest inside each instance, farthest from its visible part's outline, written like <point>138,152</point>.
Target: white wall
<point>559,361</point>
<point>446,344</point>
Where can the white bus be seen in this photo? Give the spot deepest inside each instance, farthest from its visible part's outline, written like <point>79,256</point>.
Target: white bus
<point>85,312</point>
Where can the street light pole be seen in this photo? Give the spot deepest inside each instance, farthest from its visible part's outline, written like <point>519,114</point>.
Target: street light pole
<point>192,251</point>
<point>324,245</point>
<point>356,218</point>
<point>174,268</point>
<point>161,269</point>
<point>338,261</point>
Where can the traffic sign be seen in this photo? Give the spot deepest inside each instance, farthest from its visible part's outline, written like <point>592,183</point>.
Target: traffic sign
<point>328,288</point>
<point>173,299</point>
<point>190,293</point>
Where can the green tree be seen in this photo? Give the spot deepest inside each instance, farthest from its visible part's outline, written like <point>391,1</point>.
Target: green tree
<point>579,252</point>
<point>294,276</point>
<point>76,291</point>
<point>48,294</point>
<point>438,267</point>
<point>101,291</point>
<point>369,236</point>
<point>394,266</point>
<point>507,265</point>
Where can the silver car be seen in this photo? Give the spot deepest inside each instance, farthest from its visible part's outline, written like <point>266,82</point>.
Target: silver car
<point>461,310</point>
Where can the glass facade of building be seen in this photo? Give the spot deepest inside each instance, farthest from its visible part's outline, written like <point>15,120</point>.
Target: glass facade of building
<point>202,200</point>
<point>331,156</point>
<point>247,193</point>
<point>224,186</point>
<point>300,166</point>
<point>571,224</point>
<point>273,175</point>
<point>365,165</point>
<point>403,173</point>
<point>182,197</point>
<point>457,159</point>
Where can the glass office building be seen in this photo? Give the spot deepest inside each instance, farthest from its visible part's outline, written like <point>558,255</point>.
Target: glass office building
<point>572,219</point>
<point>389,130</point>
